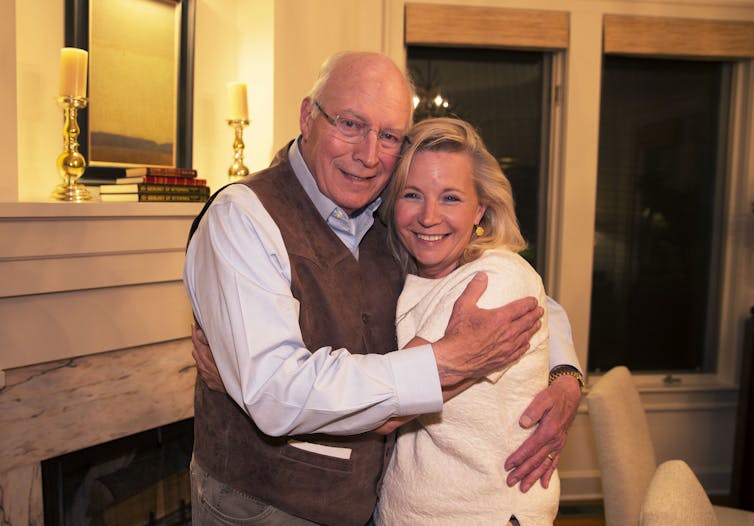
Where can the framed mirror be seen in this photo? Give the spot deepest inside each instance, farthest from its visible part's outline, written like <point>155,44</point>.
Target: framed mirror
<point>141,55</point>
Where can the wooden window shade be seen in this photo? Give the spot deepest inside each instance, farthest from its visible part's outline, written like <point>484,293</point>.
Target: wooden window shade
<point>448,25</point>
<point>674,37</point>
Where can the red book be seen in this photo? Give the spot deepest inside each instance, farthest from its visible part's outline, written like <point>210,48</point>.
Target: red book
<point>165,171</point>
<point>160,179</point>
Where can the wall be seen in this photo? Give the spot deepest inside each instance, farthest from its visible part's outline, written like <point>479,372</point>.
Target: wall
<point>8,133</point>
<point>304,39</point>
<point>233,43</point>
<point>277,46</point>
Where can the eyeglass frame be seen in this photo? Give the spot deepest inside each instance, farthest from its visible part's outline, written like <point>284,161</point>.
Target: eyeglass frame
<point>361,135</point>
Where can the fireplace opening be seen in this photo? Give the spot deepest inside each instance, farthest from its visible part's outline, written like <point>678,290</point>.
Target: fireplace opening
<point>142,479</point>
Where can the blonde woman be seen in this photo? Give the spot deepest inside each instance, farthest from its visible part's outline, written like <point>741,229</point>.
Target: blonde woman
<point>450,214</point>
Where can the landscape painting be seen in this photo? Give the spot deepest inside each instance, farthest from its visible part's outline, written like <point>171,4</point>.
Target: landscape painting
<point>134,60</point>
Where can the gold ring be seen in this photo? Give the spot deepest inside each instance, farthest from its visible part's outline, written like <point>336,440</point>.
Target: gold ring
<point>552,459</point>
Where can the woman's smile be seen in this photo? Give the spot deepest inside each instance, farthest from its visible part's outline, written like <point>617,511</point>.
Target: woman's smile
<point>437,210</point>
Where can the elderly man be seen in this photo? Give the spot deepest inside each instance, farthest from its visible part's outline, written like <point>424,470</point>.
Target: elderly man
<point>290,279</point>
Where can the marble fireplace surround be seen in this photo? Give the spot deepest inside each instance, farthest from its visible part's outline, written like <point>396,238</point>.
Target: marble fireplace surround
<point>95,325</point>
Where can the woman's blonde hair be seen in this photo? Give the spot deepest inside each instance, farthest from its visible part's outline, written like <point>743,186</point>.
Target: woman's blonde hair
<point>493,188</point>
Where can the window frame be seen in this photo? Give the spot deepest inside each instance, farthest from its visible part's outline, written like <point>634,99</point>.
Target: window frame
<point>696,39</point>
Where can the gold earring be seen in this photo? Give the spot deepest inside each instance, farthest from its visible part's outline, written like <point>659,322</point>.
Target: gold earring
<point>479,231</point>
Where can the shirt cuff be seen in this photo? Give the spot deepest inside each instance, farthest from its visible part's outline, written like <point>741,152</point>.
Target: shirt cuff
<point>417,381</point>
<point>562,349</point>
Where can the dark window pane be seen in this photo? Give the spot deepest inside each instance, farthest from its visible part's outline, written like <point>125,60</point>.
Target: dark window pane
<point>658,190</point>
<point>505,95</point>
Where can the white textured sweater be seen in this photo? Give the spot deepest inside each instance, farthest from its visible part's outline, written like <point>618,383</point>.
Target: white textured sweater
<point>447,467</point>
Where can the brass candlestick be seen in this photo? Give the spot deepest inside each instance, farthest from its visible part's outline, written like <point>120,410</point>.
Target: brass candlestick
<point>71,164</point>
<point>238,169</point>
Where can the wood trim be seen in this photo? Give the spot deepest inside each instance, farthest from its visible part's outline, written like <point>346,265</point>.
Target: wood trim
<point>675,37</point>
<point>448,25</point>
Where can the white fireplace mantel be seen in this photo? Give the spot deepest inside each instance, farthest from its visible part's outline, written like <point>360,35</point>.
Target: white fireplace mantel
<point>86,278</point>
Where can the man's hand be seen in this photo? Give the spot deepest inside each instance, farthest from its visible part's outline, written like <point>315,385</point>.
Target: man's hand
<point>479,341</point>
<point>554,410</point>
<point>205,363</point>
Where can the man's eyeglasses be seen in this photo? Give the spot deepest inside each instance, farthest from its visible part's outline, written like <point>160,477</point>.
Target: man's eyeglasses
<point>354,131</point>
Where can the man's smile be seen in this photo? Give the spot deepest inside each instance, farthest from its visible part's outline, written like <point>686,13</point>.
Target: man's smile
<point>354,177</point>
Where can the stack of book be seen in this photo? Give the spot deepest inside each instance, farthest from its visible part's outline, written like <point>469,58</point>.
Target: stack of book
<point>149,183</point>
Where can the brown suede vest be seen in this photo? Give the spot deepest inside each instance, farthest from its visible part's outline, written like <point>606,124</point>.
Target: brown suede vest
<point>345,303</point>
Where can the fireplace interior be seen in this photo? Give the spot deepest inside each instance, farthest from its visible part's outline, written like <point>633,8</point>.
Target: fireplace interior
<point>142,479</point>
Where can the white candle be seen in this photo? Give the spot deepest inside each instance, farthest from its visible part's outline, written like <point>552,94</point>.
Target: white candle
<point>238,106</point>
<point>73,62</point>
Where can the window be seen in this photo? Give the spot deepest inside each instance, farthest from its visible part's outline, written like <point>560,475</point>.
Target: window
<point>661,180</point>
<point>505,94</point>
<point>669,156</point>
<point>496,67</point>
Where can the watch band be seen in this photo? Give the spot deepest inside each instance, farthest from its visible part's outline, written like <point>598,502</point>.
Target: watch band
<point>567,370</point>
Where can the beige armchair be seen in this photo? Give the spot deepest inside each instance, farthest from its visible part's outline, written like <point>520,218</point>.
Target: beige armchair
<point>675,497</point>
<point>636,491</point>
